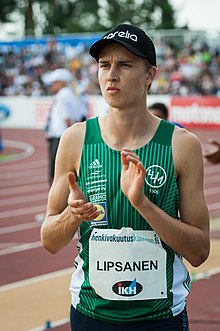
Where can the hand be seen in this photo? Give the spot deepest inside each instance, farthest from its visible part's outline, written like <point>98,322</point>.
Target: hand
<point>213,156</point>
<point>77,201</point>
<point>132,177</point>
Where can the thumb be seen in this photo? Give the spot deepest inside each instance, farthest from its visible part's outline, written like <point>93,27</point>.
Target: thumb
<point>74,188</point>
<point>124,160</point>
<point>71,177</point>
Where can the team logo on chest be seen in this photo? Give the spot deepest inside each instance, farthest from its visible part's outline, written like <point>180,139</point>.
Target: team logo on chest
<point>155,176</point>
<point>96,189</point>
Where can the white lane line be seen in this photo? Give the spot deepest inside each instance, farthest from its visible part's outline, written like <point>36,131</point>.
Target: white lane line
<point>24,189</point>
<point>20,248</point>
<point>51,325</point>
<point>205,274</point>
<point>24,199</point>
<point>36,279</point>
<point>28,150</point>
<point>8,244</point>
<point>23,211</point>
<point>19,227</point>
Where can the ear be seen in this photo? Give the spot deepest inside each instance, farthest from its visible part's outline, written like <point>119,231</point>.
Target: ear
<point>151,75</point>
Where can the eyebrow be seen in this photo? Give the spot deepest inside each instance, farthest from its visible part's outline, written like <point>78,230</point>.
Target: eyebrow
<point>119,61</point>
<point>103,61</point>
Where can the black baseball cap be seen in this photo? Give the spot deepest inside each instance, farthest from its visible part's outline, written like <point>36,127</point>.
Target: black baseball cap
<point>132,38</point>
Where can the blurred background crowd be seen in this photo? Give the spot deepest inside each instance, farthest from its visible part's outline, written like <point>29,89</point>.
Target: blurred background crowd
<point>187,69</point>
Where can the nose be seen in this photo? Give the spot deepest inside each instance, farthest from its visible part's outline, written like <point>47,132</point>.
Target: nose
<point>113,74</point>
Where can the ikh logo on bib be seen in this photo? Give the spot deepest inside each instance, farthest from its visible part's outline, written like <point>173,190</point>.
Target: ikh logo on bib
<point>127,288</point>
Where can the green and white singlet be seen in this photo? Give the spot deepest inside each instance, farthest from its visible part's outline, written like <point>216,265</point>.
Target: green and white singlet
<point>124,272</point>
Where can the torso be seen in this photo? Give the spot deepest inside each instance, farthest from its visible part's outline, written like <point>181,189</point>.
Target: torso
<point>99,177</point>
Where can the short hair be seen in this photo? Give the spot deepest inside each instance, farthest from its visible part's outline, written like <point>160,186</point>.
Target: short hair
<point>160,106</point>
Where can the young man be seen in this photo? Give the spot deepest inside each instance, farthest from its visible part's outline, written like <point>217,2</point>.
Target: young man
<point>132,185</point>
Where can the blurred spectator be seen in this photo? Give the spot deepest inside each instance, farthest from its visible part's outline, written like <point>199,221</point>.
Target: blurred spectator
<point>160,110</point>
<point>63,113</point>
<point>189,70</point>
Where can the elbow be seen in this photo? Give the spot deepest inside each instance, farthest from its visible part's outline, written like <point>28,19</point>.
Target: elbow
<point>46,244</point>
<point>47,240</point>
<point>200,257</point>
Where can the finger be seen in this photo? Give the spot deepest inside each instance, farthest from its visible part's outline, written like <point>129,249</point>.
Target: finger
<point>127,157</point>
<point>77,203</point>
<point>141,166</point>
<point>124,161</point>
<point>132,154</point>
<point>92,216</point>
<point>126,149</point>
<point>86,213</point>
<point>133,159</point>
<point>142,170</point>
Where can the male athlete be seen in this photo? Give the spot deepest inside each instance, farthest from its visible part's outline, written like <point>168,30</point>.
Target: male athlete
<point>131,184</point>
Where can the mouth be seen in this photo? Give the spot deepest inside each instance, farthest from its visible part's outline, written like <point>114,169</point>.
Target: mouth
<point>112,89</point>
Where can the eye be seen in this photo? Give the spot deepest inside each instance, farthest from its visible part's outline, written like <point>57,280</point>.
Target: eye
<point>103,65</point>
<point>125,65</point>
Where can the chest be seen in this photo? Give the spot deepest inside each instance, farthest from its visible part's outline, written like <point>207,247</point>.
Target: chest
<point>100,171</point>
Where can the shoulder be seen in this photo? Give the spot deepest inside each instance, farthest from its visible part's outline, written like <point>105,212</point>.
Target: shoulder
<point>74,134</point>
<point>71,144</point>
<point>186,148</point>
<point>182,136</point>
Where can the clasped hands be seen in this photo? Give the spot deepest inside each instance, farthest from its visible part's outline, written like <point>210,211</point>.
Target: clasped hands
<point>132,185</point>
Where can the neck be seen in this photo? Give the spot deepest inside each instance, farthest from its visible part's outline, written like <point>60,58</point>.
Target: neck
<point>124,129</point>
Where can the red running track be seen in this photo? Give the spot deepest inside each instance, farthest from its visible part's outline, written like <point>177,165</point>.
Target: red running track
<point>23,191</point>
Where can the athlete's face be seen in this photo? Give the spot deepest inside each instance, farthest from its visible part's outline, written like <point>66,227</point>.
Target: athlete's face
<point>123,77</point>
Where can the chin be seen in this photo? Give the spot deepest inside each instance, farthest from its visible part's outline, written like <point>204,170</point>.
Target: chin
<point>115,103</point>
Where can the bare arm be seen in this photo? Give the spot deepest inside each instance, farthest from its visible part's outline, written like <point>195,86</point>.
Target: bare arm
<point>66,207</point>
<point>190,237</point>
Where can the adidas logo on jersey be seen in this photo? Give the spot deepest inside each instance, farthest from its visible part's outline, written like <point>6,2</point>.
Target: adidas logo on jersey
<point>95,164</point>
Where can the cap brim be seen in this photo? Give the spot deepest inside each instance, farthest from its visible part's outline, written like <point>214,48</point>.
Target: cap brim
<point>98,45</point>
<point>51,78</point>
<point>47,79</point>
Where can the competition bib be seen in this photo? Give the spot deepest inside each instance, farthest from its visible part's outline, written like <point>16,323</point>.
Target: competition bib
<point>127,265</point>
